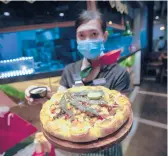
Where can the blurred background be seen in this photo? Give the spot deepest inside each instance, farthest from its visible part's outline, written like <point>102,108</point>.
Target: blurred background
<point>38,39</point>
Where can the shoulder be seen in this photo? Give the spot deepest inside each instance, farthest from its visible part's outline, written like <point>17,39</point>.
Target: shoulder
<point>67,74</point>
<point>117,69</point>
<point>73,67</point>
<point>121,72</point>
<point>121,78</point>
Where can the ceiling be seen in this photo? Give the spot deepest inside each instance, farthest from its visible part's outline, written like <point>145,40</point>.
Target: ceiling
<point>160,10</point>
<point>25,13</point>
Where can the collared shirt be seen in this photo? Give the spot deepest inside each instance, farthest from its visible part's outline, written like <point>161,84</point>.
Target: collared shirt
<point>116,76</point>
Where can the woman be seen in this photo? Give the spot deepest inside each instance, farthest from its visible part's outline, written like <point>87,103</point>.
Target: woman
<point>91,34</point>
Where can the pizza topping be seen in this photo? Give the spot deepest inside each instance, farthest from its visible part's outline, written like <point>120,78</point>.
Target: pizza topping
<point>97,107</point>
<point>64,106</point>
<point>57,111</point>
<point>67,116</point>
<point>112,112</point>
<point>83,108</point>
<point>69,107</point>
<point>74,121</point>
<point>51,118</point>
<point>93,120</point>
<point>60,113</point>
<point>110,108</point>
<point>54,117</point>
<point>94,95</point>
<point>81,93</point>
<point>52,108</point>
<point>90,102</point>
<point>79,105</point>
<point>116,106</point>
<point>97,102</point>
<point>53,111</point>
<point>86,118</point>
<point>100,117</point>
<point>104,112</point>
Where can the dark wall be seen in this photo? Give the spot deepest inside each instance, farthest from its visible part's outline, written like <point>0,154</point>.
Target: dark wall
<point>150,5</point>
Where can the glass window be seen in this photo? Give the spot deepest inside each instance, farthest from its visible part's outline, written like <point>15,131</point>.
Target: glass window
<point>51,49</point>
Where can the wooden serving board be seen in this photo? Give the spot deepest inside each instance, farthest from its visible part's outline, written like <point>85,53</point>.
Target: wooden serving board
<point>101,143</point>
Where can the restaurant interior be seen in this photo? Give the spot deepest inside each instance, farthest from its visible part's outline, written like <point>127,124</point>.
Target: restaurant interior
<point>38,40</point>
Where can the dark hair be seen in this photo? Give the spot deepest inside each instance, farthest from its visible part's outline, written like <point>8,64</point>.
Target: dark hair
<point>87,16</point>
<point>161,37</point>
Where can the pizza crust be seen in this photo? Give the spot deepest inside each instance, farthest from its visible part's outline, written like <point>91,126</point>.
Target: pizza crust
<point>85,131</point>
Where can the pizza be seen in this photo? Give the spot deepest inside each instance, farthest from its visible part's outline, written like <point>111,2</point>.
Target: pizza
<point>85,113</point>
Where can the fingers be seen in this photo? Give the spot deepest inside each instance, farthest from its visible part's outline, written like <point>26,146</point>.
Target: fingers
<point>28,89</point>
<point>49,95</point>
<point>36,101</point>
<point>46,146</point>
<point>48,89</point>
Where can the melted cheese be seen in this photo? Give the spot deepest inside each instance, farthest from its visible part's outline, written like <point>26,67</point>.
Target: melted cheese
<point>80,128</point>
<point>104,111</point>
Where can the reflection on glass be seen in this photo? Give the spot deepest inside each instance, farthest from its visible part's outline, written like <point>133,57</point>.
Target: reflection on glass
<point>51,49</point>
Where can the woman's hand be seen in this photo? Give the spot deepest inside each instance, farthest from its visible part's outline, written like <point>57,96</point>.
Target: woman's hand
<point>36,101</point>
<point>42,144</point>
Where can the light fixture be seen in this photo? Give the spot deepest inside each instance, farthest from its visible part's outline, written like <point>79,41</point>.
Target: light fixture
<point>39,30</point>
<point>31,1</point>
<point>110,22</point>
<point>61,14</point>
<point>24,67</point>
<point>6,14</point>
<point>157,17</point>
<point>162,28</point>
<point>17,59</point>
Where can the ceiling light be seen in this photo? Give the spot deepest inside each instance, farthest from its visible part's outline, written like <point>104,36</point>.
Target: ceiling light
<point>110,22</point>
<point>6,14</point>
<point>61,14</point>
<point>162,28</point>
<point>157,17</point>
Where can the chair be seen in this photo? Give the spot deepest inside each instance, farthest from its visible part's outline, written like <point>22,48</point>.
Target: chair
<point>154,64</point>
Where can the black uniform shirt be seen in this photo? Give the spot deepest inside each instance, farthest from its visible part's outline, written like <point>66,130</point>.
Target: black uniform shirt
<point>116,77</point>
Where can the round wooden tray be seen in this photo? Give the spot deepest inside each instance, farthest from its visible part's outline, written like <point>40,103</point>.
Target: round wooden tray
<point>101,143</point>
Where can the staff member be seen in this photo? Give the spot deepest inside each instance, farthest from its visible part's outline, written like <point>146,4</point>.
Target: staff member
<point>91,35</point>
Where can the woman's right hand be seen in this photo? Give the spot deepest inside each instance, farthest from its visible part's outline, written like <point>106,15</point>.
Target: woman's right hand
<point>36,101</point>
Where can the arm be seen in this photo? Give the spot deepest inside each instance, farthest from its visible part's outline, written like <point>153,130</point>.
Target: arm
<point>64,81</point>
<point>61,88</point>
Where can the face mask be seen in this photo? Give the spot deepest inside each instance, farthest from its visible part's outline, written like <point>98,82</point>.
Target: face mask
<point>90,49</point>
